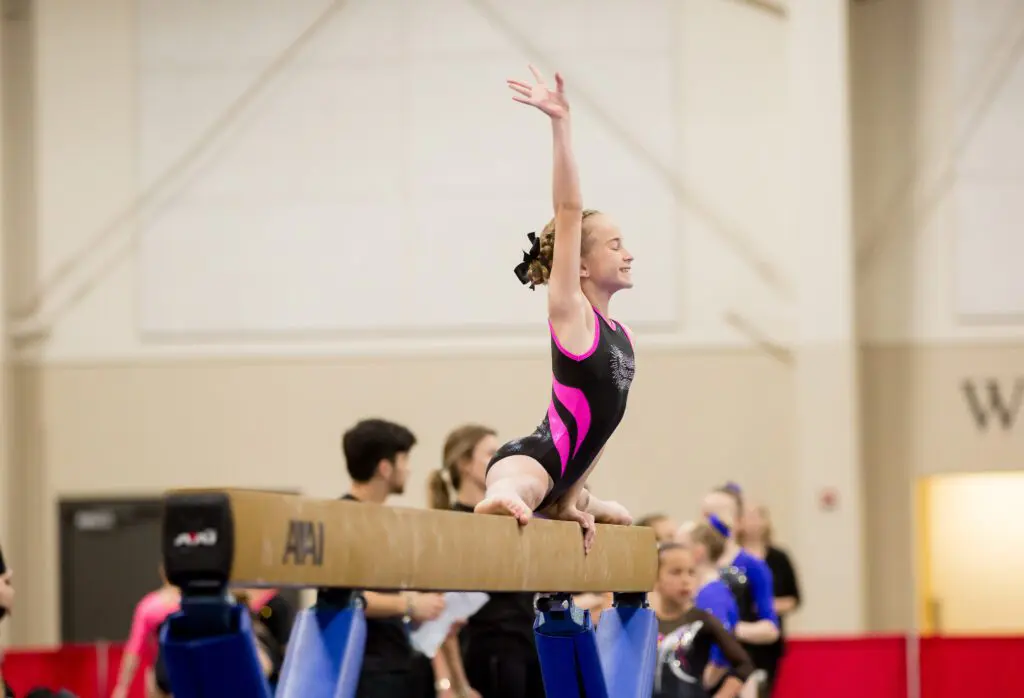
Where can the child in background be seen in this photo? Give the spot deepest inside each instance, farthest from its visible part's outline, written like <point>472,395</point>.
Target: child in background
<point>687,634</point>
<point>706,541</point>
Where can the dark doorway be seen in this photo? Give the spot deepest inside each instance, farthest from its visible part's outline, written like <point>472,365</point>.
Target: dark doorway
<point>110,553</point>
<point>110,558</point>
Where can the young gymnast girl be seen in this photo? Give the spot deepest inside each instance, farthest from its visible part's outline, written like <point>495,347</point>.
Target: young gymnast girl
<point>689,635</point>
<point>581,258</point>
<point>749,579</point>
<point>706,541</point>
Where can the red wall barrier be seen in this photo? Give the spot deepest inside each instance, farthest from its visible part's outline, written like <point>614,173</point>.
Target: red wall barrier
<point>874,667</point>
<point>864,667</point>
<point>972,666</point>
<point>88,671</point>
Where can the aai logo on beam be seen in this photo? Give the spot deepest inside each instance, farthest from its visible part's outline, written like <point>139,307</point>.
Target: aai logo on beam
<point>993,403</point>
<point>304,544</point>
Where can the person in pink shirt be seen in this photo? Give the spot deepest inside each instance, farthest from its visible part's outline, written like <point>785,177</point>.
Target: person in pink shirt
<point>141,647</point>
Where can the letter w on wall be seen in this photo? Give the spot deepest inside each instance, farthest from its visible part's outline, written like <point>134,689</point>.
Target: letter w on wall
<point>989,401</point>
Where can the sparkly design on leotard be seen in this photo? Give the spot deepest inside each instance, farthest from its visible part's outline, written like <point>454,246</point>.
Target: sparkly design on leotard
<point>588,400</point>
<point>623,368</point>
<point>673,650</point>
<point>685,647</point>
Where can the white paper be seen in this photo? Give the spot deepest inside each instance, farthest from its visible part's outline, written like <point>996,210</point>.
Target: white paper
<point>459,605</point>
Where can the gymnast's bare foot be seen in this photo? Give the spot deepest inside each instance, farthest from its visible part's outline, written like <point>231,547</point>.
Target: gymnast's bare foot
<point>505,505</point>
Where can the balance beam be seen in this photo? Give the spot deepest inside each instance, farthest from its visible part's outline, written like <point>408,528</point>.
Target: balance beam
<point>266,539</point>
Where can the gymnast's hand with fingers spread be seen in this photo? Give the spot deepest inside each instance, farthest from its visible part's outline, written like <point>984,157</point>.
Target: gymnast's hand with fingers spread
<point>539,95</point>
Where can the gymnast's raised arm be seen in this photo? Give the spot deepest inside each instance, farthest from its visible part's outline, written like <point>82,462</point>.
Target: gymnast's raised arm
<point>568,309</point>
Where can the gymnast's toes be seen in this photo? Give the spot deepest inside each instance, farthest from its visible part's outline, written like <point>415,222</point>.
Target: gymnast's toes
<point>504,506</point>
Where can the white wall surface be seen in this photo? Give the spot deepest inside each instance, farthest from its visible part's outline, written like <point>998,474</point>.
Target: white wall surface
<point>384,167</point>
<point>938,89</point>
<point>281,218</point>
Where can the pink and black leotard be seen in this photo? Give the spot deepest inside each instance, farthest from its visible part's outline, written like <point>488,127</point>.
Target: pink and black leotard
<point>588,400</point>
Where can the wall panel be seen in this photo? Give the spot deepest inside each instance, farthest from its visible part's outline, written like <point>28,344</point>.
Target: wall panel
<point>373,178</point>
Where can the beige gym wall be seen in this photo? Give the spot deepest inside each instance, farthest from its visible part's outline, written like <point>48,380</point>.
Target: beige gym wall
<point>925,375</point>
<point>97,412</point>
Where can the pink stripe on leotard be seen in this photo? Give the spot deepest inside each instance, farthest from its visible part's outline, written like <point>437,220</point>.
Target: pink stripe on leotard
<point>575,401</point>
<point>559,434</point>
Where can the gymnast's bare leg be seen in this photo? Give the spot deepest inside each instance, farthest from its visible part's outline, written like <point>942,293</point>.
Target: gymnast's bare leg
<point>516,485</point>
<point>604,512</point>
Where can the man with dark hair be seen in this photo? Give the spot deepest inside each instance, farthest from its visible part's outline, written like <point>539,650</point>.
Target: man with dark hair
<point>377,457</point>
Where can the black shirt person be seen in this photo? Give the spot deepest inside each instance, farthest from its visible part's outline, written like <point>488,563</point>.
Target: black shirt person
<point>756,538</point>
<point>495,655</point>
<point>377,458</point>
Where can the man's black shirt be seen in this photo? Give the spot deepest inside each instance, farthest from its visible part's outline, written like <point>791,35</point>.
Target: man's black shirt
<point>387,639</point>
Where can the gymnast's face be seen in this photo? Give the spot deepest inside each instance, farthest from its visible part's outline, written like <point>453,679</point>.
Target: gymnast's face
<point>606,261</point>
<point>474,468</point>
<point>676,578</point>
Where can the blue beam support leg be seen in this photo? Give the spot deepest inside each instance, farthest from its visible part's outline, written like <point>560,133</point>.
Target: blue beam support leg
<point>567,650</point>
<point>210,650</point>
<point>325,651</point>
<point>627,640</point>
